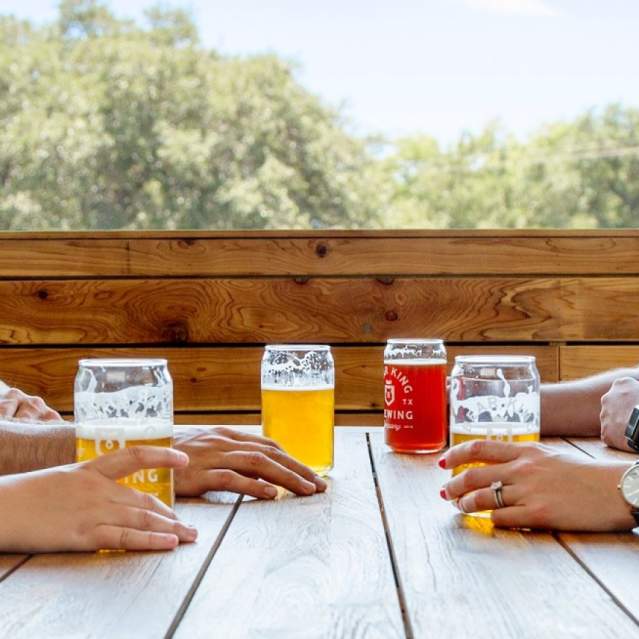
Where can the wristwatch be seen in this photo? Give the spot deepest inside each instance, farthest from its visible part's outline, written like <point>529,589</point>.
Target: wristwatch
<point>629,488</point>
<point>632,429</point>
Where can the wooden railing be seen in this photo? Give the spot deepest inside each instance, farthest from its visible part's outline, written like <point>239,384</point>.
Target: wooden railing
<point>210,301</point>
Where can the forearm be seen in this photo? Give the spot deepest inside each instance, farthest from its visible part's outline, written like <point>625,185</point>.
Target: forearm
<point>573,408</point>
<point>25,447</point>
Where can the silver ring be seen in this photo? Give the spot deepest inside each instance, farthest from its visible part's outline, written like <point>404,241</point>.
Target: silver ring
<point>497,488</point>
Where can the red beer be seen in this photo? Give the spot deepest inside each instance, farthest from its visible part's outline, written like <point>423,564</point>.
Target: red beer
<point>415,395</point>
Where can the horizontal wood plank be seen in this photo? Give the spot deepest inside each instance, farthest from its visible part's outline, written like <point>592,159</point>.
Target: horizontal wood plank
<point>463,253</point>
<point>251,419</point>
<point>225,379</point>
<point>612,558</point>
<point>581,361</point>
<point>467,579</point>
<point>324,310</point>
<point>125,595</point>
<point>313,567</point>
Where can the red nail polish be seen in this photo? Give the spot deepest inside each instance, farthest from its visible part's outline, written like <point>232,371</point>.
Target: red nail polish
<point>442,493</point>
<point>442,463</point>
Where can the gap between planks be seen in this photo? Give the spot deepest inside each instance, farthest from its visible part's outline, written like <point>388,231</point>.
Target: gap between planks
<point>179,615</point>
<point>584,566</point>
<point>401,599</point>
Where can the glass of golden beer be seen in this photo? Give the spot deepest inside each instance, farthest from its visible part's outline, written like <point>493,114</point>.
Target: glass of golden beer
<point>494,397</point>
<point>298,402</point>
<point>121,403</point>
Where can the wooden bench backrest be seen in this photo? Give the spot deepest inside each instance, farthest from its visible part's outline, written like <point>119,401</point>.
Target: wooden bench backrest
<point>210,301</point>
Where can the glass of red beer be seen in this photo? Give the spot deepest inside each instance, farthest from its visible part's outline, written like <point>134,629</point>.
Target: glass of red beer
<point>415,395</point>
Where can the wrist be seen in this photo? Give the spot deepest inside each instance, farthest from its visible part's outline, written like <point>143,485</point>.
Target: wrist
<point>623,518</point>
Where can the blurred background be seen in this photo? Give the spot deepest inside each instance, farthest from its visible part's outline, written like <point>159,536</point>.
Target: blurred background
<point>242,114</point>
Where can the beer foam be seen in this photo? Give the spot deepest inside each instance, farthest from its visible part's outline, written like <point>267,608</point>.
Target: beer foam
<point>494,429</point>
<point>302,387</point>
<point>415,362</point>
<point>124,429</point>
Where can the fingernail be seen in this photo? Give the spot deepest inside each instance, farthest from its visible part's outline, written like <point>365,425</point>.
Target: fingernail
<point>191,533</point>
<point>442,493</point>
<point>442,462</point>
<point>182,456</point>
<point>309,488</point>
<point>270,492</point>
<point>319,482</point>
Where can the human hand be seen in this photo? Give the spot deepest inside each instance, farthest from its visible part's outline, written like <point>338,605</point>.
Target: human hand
<point>543,488</point>
<point>227,459</point>
<point>616,407</point>
<point>80,507</point>
<point>14,404</point>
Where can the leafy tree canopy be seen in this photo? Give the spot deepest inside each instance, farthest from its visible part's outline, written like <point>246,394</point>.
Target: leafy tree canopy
<point>110,123</point>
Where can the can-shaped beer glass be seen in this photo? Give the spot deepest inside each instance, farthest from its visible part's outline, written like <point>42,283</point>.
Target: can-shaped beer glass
<point>119,403</point>
<point>415,395</point>
<point>494,397</point>
<point>298,402</point>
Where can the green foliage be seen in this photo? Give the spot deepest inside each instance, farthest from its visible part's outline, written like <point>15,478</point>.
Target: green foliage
<point>106,123</point>
<point>583,174</point>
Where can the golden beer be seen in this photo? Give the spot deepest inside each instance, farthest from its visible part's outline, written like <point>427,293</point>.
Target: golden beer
<point>94,440</point>
<point>502,432</point>
<point>301,421</point>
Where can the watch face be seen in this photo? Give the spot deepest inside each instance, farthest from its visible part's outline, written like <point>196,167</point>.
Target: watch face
<point>630,486</point>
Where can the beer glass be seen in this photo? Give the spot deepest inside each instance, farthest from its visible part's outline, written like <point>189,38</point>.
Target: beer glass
<point>494,397</point>
<point>122,403</point>
<point>415,395</point>
<point>298,403</point>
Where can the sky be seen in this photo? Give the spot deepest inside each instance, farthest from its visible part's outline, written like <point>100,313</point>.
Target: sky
<point>398,67</point>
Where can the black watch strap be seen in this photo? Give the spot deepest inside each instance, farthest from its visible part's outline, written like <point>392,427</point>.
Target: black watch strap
<point>632,430</point>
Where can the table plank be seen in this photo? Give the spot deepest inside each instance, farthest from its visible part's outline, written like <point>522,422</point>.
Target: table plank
<point>612,558</point>
<point>120,595</point>
<point>466,579</point>
<point>312,567</point>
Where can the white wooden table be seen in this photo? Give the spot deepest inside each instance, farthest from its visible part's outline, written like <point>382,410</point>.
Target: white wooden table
<point>378,555</point>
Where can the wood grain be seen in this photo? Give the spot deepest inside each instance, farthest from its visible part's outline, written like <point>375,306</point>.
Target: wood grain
<point>124,595</point>
<point>468,580</point>
<point>183,254</point>
<point>581,361</point>
<point>324,310</point>
<point>612,558</point>
<point>314,567</point>
<point>225,379</point>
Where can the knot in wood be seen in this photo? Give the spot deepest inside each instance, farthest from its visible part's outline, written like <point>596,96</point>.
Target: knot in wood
<point>43,294</point>
<point>391,316</point>
<point>386,280</point>
<point>303,279</point>
<point>176,332</point>
<point>321,250</point>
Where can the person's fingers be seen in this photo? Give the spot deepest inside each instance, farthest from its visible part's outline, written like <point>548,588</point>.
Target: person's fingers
<point>475,478</point>
<point>229,480</point>
<point>239,436</point>
<point>512,517</point>
<point>8,407</point>
<point>51,416</point>
<point>480,450</point>
<point>278,455</point>
<point>484,499</point>
<point>261,466</point>
<point>126,461</point>
<point>136,498</point>
<point>143,519</point>
<point>118,538</point>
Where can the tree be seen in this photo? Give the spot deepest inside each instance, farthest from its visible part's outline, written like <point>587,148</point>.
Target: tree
<point>109,124</point>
